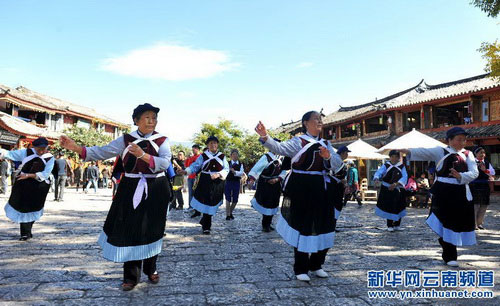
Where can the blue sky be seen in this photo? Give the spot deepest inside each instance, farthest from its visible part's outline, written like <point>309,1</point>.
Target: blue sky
<point>241,60</point>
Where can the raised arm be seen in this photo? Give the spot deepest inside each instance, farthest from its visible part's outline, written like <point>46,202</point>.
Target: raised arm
<point>286,148</point>
<point>16,155</point>
<point>425,154</point>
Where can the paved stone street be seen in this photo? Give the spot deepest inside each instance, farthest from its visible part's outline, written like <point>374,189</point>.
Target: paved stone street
<point>236,265</point>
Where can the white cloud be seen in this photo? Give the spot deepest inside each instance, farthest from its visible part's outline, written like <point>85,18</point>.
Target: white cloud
<point>170,62</point>
<point>305,65</point>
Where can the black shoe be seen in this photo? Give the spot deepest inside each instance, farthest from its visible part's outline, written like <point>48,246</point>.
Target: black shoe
<point>196,214</point>
<point>228,218</point>
<point>232,217</point>
<point>179,208</point>
<point>266,229</point>
<point>360,204</point>
<point>24,238</point>
<point>480,227</point>
<point>206,232</point>
<point>271,227</point>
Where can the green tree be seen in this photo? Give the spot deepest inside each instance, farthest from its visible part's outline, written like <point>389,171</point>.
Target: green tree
<point>179,147</point>
<point>83,136</point>
<point>490,51</point>
<point>231,136</point>
<point>490,7</point>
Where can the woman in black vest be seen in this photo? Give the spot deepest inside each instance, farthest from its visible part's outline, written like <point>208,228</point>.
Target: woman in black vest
<point>133,230</point>
<point>233,181</point>
<point>480,187</point>
<point>30,189</point>
<point>307,220</point>
<point>391,204</point>
<point>336,187</point>
<point>209,192</point>
<point>452,212</point>
<point>269,175</point>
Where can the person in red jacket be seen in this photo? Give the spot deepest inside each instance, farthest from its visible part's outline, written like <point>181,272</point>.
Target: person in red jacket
<point>192,177</point>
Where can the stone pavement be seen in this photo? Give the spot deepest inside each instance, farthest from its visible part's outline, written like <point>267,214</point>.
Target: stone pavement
<point>236,265</point>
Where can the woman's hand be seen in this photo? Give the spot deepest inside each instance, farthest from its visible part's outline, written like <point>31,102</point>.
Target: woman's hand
<point>69,144</point>
<point>273,181</point>
<point>215,176</point>
<point>250,183</point>
<point>261,130</point>
<point>135,150</point>
<point>455,174</point>
<point>23,176</point>
<point>324,152</point>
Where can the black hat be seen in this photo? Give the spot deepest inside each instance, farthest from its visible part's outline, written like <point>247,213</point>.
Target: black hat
<point>394,152</point>
<point>454,131</point>
<point>477,149</point>
<point>343,149</point>
<point>41,142</point>
<point>212,138</point>
<point>235,151</point>
<point>144,108</point>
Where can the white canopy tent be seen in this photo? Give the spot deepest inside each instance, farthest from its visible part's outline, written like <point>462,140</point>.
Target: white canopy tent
<point>362,150</point>
<point>413,139</point>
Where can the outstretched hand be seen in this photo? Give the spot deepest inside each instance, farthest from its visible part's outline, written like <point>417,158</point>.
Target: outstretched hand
<point>69,144</point>
<point>261,129</point>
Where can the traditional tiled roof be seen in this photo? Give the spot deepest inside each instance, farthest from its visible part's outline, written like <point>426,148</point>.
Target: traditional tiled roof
<point>21,127</point>
<point>43,103</point>
<point>474,132</point>
<point>377,141</point>
<point>420,93</point>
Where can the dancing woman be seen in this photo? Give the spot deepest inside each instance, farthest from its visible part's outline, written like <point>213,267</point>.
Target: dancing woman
<point>133,230</point>
<point>307,220</point>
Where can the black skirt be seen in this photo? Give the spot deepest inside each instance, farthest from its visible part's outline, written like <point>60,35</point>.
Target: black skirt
<point>27,200</point>
<point>452,215</point>
<point>134,234</point>
<point>267,197</point>
<point>208,194</point>
<point>391,204</point>
<point>480,193</point>
<point>336,195</point>
<point>307,216</point>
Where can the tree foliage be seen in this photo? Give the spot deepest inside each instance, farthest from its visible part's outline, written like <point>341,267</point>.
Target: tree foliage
<point>491,52</point>
<point>231,136</point>
<point>490,7</point>
<point>83,136</point>
<point>176,148</point>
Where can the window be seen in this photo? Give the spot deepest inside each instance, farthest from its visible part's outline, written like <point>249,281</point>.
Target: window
<point>349,130</point>
<point>411,121</point>
<point>453,114</point>
<point>485,106</point>
<point>376,124</point>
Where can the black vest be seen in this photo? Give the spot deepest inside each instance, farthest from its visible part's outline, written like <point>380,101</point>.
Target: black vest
<point>236,167</point>
<point>393,175</point>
